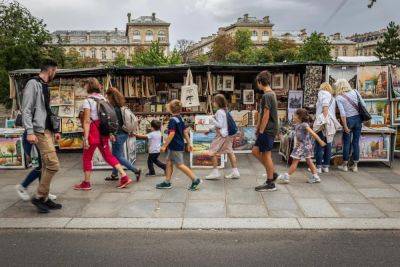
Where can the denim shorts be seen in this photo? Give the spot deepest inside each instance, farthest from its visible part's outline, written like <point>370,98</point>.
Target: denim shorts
<point>175,156</point>
<point>265,142</point>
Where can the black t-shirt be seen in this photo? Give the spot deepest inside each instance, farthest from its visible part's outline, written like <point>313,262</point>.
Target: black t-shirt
<point>269,102</point>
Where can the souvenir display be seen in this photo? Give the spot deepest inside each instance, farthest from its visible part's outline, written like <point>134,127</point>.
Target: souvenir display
<point>373,81</point>
<point>11,152</point>
<point>71,125</point>
<point>395,77</point>
<point>70,141</point>
<point>295,101</point>
<point>333,73</point>
<point>313,79</point>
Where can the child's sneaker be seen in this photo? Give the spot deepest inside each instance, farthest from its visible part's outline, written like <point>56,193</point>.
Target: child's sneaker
<point>343,168</point>
<point>195,185</point>
<point>22,192</point>
<point>267,186</point>
<point>233,175</point>
<point>149,174</point>
<point>164,185</point>
<point>85,186</point>
<point>124,182</point>
<point>354,168</point>
<point>213,175</point>
<point>325,169</point>
<point>314,179</point>
<point>284,178</point>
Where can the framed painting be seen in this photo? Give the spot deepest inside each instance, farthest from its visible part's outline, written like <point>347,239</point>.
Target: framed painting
<point>372,81</point>
<point>66,111</point>
<point>379,110</point>
<point>11,152</point>
<point>374,147</point>
<point>71,125</point>
<point>277,81</point>
<point>199,157</point>
<point>70,141</point>
<point>395,78</point>
<point>55,99</point>
<point>248,97</point>
<point>228,83</point>
<point>244,140</point>
<point>67,95</point>
<point>396,112</point>
<point>295,101</point>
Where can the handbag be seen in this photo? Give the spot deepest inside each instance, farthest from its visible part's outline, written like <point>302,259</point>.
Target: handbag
<point>364,114</point>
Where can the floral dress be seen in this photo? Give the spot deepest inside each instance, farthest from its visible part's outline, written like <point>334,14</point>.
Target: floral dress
<point>303,144</point>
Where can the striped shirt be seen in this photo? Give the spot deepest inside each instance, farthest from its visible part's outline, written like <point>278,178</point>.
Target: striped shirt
<point>345,107</point>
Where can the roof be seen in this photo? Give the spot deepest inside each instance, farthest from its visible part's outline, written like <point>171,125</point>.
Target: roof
<point>148,20</point>
<point>358,59</point>
<point>97,37</point>
<point>246,20</point>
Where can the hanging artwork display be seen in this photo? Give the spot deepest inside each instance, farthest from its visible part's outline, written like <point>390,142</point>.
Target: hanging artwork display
<point>244,140</point>
<point>55,98</point>
<point>313,79</point>
<point>395,76</point>
<point>131,149</point>
<point>78,106</point>
<point>71,125</point>
<point>66,111</point>
<point>199,157</point>
<point>372,81</point>
<point>379,111</point>
<point>396,112</point>
<point>295,101</point>
<point>11,152</point>
<point>202,123</point>
<point>228,83</point>
<point>71,141</point>
<point>374,147</point>
<point>333,73</point>
<point>248,97</point>
<point>79,91</point>
<point>67,95</point>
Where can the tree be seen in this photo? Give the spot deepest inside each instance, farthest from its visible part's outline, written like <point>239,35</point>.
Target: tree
<point>316,47</point>
<point>282,50</point>
<point>120,60</point>
<point>389,48</point>
<point>222,46</point>
<point>182,47</point>
<point>243,40</point>
<point>154,56</point>
<point>202,59</point>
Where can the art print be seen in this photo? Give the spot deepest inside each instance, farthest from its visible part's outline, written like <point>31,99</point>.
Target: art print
<point>66,111</point>
<point>67,95</point>
<point>374,147</point>
<point>295,101</point>
<point>11,153</point>
<point>395,77</point>
<point>199,157</point>
<point>228,83</point>
<point>248,97</point>
<point>55,98</point>
<point>71,141</point>
<point>277,81</point>
<point>244,140</point>
<point>372,81</point>
<point>71,125</point>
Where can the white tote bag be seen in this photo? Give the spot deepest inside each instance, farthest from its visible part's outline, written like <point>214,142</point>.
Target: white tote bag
<point>190,94</point>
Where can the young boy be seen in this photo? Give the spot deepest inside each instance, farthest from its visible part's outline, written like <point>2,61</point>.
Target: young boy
<point>175,145</point>
<point>154,138</point>
<point>267,129</point>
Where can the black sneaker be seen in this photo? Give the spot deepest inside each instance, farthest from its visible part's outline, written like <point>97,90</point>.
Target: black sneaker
<point>51,205</point>
<point>267,186</point>
<point>275,177</point>
<point>40,204</point>
<point>164,185</point>
<point>150,174</point>
<point>138,175</point>
<point>195,185</point>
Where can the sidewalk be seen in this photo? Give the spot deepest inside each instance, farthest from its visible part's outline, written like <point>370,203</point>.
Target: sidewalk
<point>369,199</point>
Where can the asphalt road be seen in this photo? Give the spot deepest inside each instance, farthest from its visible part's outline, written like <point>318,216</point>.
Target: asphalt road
<point>198,248</point>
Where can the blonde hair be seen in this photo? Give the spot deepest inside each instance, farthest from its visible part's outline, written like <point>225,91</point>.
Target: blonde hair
<point>342,86</point>
<point>175,106</point>
<point>326,87</point>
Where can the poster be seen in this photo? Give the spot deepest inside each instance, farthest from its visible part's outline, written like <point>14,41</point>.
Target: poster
<point>71,141</point>
<point>248,96</point>
<point>66,111</point>
<point>228,83</point>
<point>201,144</point>
<point>395,75</point>
<point>379,110</point>
<point>79,91</point>
<point>71,125</point>
<point>202,123</point>
<point>141,146</point>
<point>131,149</point>
<point>67,95</point>
<point>244,140</point>
<point>55,98</point>
<point>295,101</point>
<point>372,81</point>
<point>282,116</point>
<point>349,73</point>
<point>11,153</point>
<point>374,147</point>
<point>78,106</point>
<point>396,112</point>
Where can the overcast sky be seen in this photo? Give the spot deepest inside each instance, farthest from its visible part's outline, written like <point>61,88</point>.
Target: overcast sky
<point>192,19</point>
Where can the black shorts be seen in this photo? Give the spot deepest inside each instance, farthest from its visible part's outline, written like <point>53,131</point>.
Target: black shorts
<point>265,142</point>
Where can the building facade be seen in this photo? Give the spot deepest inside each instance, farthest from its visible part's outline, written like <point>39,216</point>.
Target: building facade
<point>106,45</point>
<point>341,47</point>
<point>366,43</point>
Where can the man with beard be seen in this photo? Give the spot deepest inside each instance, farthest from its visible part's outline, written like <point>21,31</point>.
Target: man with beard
<point>40,124</point>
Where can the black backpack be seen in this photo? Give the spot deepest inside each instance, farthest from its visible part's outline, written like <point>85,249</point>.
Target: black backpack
<point>107,116</point>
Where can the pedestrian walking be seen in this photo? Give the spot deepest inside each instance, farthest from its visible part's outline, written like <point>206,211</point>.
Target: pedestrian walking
<point>174,145</point>
<point>117,100</point>
<point>348,101</point>
<point>303,147</point>
<point>40,125</point>
<point>96,134</point>
<point>154,139</point>
<point>266,131</point>
<point>223,141</point>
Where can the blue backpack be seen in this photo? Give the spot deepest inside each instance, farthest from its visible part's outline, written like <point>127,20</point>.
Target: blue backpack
<point>232,127</point>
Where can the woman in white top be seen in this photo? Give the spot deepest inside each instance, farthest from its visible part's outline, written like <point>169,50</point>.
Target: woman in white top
<point>347,101</point>
<point>223,143</point>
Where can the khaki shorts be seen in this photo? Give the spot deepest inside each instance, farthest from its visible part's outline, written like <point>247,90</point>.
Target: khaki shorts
<point>175,156</point>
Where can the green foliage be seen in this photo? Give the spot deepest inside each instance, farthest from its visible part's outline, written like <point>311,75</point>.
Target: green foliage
<point>155,56</point>
<point>315,48</point>
<point>264,55</point>
<point>282,50</point>
<point>243,40</point>
<point>120,60</point>
<point>222,46</point>
<point>202,59</point>
<point>389,48</point>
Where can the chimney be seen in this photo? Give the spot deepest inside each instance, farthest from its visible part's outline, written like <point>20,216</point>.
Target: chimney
<point>336,36</point>
<point>246,17</point>
<point>153,16</point>
<point>129,17</point>
<point>87,36</point>
<point>115,30</point>
<point>266,19</point>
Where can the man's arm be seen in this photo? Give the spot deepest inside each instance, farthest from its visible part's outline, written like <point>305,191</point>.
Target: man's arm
<point>28,105</point>
<point>264,120</point>
<point>187,139</point>
<point>141,136</point>
<point>167,141</point>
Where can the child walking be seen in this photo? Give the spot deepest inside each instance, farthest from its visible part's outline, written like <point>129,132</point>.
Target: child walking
<point>303,147</point>
<point>174,145</point>
<point>223,143</point>
<point>154,138</point>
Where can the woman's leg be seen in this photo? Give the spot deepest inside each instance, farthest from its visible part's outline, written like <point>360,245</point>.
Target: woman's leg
<point>319,151</point>
<point>109,158</point>
<point>356,141</point>
<point>87,161</point>
<point>346,147</point>
<point>118,152</point>
<point>293,166</point>
<point>232,159</point>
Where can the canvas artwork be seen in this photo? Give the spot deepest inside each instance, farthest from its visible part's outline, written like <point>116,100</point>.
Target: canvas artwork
<point>248,97</point>
<point>202,123</point>
<point>55,98</point>
<point>228,83</point>
<point>395,76</point>
<point>396,112</point>
<point>78,106</point>
<point>244,140</point>
<point>67,95</point>
<point>131,149</point>
<point>219,82</point>
<point>11,153</point>
<point>379,110</point>
<point>295,101</point>
<point>374,147</point>
<point>79,91</point>
<point>282,116</point>
<point>66,111</point>
<point>349,73</point>
<point>372,81</point>
<point>277,81</point>
<point>201,144</point>
<point>71,141</point>
<point>71,125</point>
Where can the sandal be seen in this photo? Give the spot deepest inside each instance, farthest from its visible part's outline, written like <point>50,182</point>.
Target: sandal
<point>112,177</point>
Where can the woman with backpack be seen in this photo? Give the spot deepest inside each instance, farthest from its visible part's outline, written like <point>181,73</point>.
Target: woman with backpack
<point>117,100</point>
<point>97,129</point>
<point>223,142</point>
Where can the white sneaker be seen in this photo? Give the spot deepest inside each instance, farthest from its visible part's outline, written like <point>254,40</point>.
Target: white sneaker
<point>319,170</point>
<point>283,178</point>
<point>213,175</point>
<point>232,175</point>
<point>343,168</point>
<point>22,192</point>
<point>354,168</point>
<point>52,197</point>
<point>325,169</point>
<point>314,179</point>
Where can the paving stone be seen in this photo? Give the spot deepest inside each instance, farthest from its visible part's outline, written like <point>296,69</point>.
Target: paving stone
<point>279,201</point>
<point>169,210</point>
<point>387,204</point>
<point>240,223</point>
<point>138,208</point>
<point>8,194</point>
<point>286,213</point>
<point>174,195</point>
<point>379,192</point>
<point>397,186</point>
<point>246,211</point>
<point>363,180</point>
<point>304,190</point>
<point>208,194</point>
<point>112,197</point>
<point>393,214</point>
<point>316,207</point>
<point>92,194</point>
<point>333,184</point>
<point>243,196</point>
<point>346,197</point>
<point>6,204</point>
<point>148,194</point>
<point>359,210</point>
<point>100,209</point>
<point>388,178</point>
<point>205,209</point>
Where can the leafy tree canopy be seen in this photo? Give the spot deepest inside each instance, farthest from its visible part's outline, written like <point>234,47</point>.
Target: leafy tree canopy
<point>389,48</point>
<point>316,47</point>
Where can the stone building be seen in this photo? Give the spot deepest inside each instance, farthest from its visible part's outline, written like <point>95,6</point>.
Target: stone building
<point>105,45</point>
<point>341,47</point>
<point>366,43</point>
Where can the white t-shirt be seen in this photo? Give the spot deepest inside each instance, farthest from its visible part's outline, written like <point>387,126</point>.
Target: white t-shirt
<point>154,141</point>
<point>91,104</point>
<point>325,99</point>
<point>220,121</point>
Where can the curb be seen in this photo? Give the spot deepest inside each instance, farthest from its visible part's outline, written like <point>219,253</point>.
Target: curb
<point>203,223</point>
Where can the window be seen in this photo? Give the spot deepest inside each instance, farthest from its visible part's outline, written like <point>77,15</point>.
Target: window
<point>82,53</point>
<point>136,36</point>
<point>254,36</point>
<point>336,52</point>
<point>149,36</point>
<point>93,53</point>
<point>113,54</point>
<point>344,51</point>
<point>265,36</point>
<point>161,36</point>
<point>103,54</point>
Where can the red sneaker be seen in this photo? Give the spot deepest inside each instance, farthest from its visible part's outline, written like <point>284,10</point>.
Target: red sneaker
<point>124,182</point>
<point>86,186</point>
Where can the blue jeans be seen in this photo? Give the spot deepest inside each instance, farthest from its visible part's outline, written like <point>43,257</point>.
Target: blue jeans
<point>323,154</point>
<point>352,139</point>
<point>36,172</point>
<point>118,152</point>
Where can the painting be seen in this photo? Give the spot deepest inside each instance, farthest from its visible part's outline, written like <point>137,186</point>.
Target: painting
<point>11,153</point>
<point>78,106</point>
<point>372,81</point>
<point>202,123</point>
<point>201,144</point>
<point>70,141</point>
<point>397,143</point>
<point>131,149</point>
<point>379,110</point>
<point>295,101</point>
<point>66,111</point>
<point>277,81</point>
<point>55,109</point>
<point>395,76</point>
<point>349,73</point>
<point>71,125</point>
<point>219,82</point>
<point>228,83</point>
<point>396,112</point>
<point>173,94</point>
<point>248,97</point>
<point>55,98</point>
<point>244,140</point>
<point>141,146</point>
<point>282,116</point>
<point>79,91</point>
<point>290,82</point>
<point>9,123</point>
<point>67,95</point>
<point>374,147</point>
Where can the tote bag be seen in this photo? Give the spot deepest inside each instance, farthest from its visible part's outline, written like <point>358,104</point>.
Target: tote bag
<point>189,92</point>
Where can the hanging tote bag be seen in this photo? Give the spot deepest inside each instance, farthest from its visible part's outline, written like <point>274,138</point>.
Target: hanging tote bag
<point>189,92</point>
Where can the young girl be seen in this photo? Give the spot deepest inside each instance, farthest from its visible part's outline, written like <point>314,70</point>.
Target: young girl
<point>223,143</point>
<point>303,147</point>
